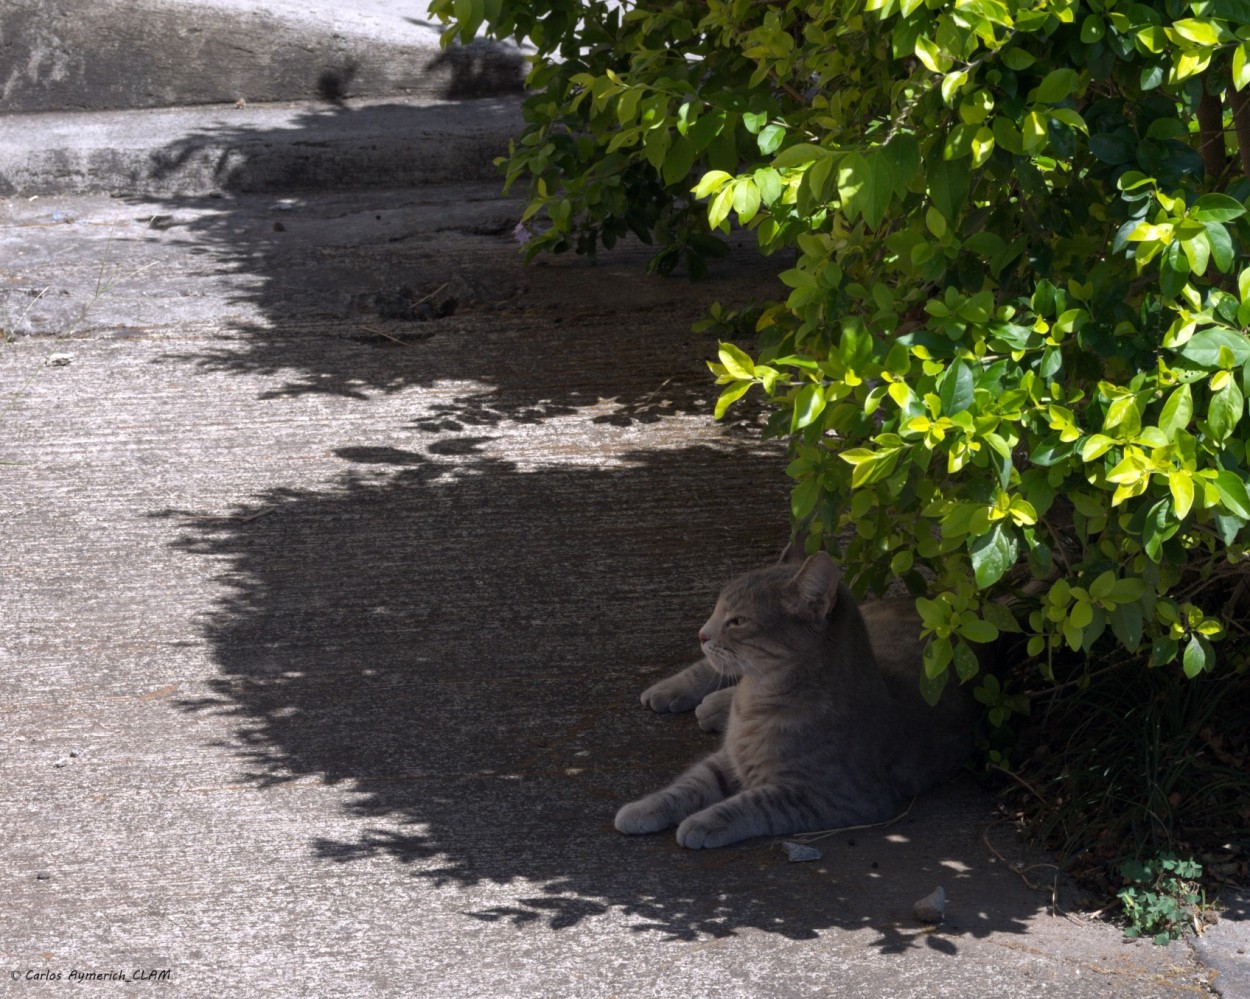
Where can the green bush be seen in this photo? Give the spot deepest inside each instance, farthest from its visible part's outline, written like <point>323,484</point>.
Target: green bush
<point>1160,897</point>
<point>1011,362</point>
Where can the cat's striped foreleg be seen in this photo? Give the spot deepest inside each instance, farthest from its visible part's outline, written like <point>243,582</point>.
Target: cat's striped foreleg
<point>758,811</point>
<point>702,785</point>
<point>683,691</point>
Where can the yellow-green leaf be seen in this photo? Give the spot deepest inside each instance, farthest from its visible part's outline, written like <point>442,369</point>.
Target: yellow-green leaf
<point>736,361</point>
<point>1181,483</point>
<point>730,396</point>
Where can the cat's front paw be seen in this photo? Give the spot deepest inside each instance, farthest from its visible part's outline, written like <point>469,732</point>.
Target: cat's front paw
<point>704,831</point>
<point>713,711</point>
<point>641,817</point>
<point>672,694</point>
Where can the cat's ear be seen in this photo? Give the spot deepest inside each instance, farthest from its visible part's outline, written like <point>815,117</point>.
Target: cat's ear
<point>814,588</point>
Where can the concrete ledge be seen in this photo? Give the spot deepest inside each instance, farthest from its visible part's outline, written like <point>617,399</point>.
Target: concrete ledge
<point>197,151</point>
<point>70,55</point>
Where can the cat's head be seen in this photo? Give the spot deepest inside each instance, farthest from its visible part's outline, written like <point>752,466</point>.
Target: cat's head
<point>768,618</point>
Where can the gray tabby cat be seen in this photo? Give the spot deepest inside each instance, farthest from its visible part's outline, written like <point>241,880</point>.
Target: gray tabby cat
<point>819,731</point>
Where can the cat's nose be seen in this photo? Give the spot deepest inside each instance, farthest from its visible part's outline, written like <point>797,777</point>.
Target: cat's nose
<point>702,636</point>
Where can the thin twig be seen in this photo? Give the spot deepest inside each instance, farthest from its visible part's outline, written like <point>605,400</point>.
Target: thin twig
<point>422,301</point>
<point>1021,871</point>
<point>825,833</point>
<point>382,333</point>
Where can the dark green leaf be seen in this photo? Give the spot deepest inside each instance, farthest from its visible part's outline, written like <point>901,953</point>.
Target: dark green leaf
<point>1233,494</point>
<point>1055,87</point>
<point>966,664</point>
<point>803,499</point>
<point>1203,348</point>
<point>1218,208</point>
<point>797,155</point>
<point>949,184</point>
<point>1126,624</point>
<point>993,553</point>
<point>903,153</point>
<point>1221,245</point>
<point>678,162</point>
<point>956,388</point>
<point>1225,410</point>
<point>1160,524</point>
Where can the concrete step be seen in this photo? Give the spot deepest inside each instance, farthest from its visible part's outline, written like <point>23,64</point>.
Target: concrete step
<point>84,55</point>
<point>289,147</point>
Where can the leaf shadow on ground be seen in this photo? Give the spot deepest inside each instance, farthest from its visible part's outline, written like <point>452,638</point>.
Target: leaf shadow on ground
<point>391,269</point>
<point>460,645</point>
<point>457,638</point>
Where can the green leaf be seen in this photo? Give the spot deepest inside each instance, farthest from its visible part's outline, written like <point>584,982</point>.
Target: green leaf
<point>870,466</point>
<point>1055,86</point>
<point>736,361</point>
<point>1034,132</point>
<point>993,553</point>
<point>770,138</point>
<point>934,59</point>
<point>804,498</point>
<point>1018,59</point>
<point>799,155</point>
<point>979,631</point>
<point>769,183</point>
<point>865,188</point>
<point>718,210</point>
<point>1198,656</point>
<point>956,388</point>
<point>1096,446</point>
<point>1217,208</point>
<point>1221,244</point>
<point>1127,590</point>
<point>965,660</point>
<point>931,687</point>
<point>1177,411</point>
<point>1181,485</point>
<point>1225,410</point>
<point>1232,491</point>
<point>711,182</point>
<point>1202,33</point>
<point>746,199</point>
<point>1126,625</point>
<point>679,161</point>
<point>903,154</point>
<point>1241,65</point>
<point>1198,249</point>
<point>1203,348</point>
<point>728,397</point>
<point>808,405</point>
<point>949,184</point>
<point>753,121</point>
<point>1092,29</point>
<point>1159,525</point>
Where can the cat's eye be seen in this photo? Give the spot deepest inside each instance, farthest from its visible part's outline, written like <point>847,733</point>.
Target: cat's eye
<point>735,622</point>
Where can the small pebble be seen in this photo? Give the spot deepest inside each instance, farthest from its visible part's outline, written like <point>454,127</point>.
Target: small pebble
<point>59,360</point>
<point>801,851</point>
<point>43,875</point>
<point>931,908</point>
